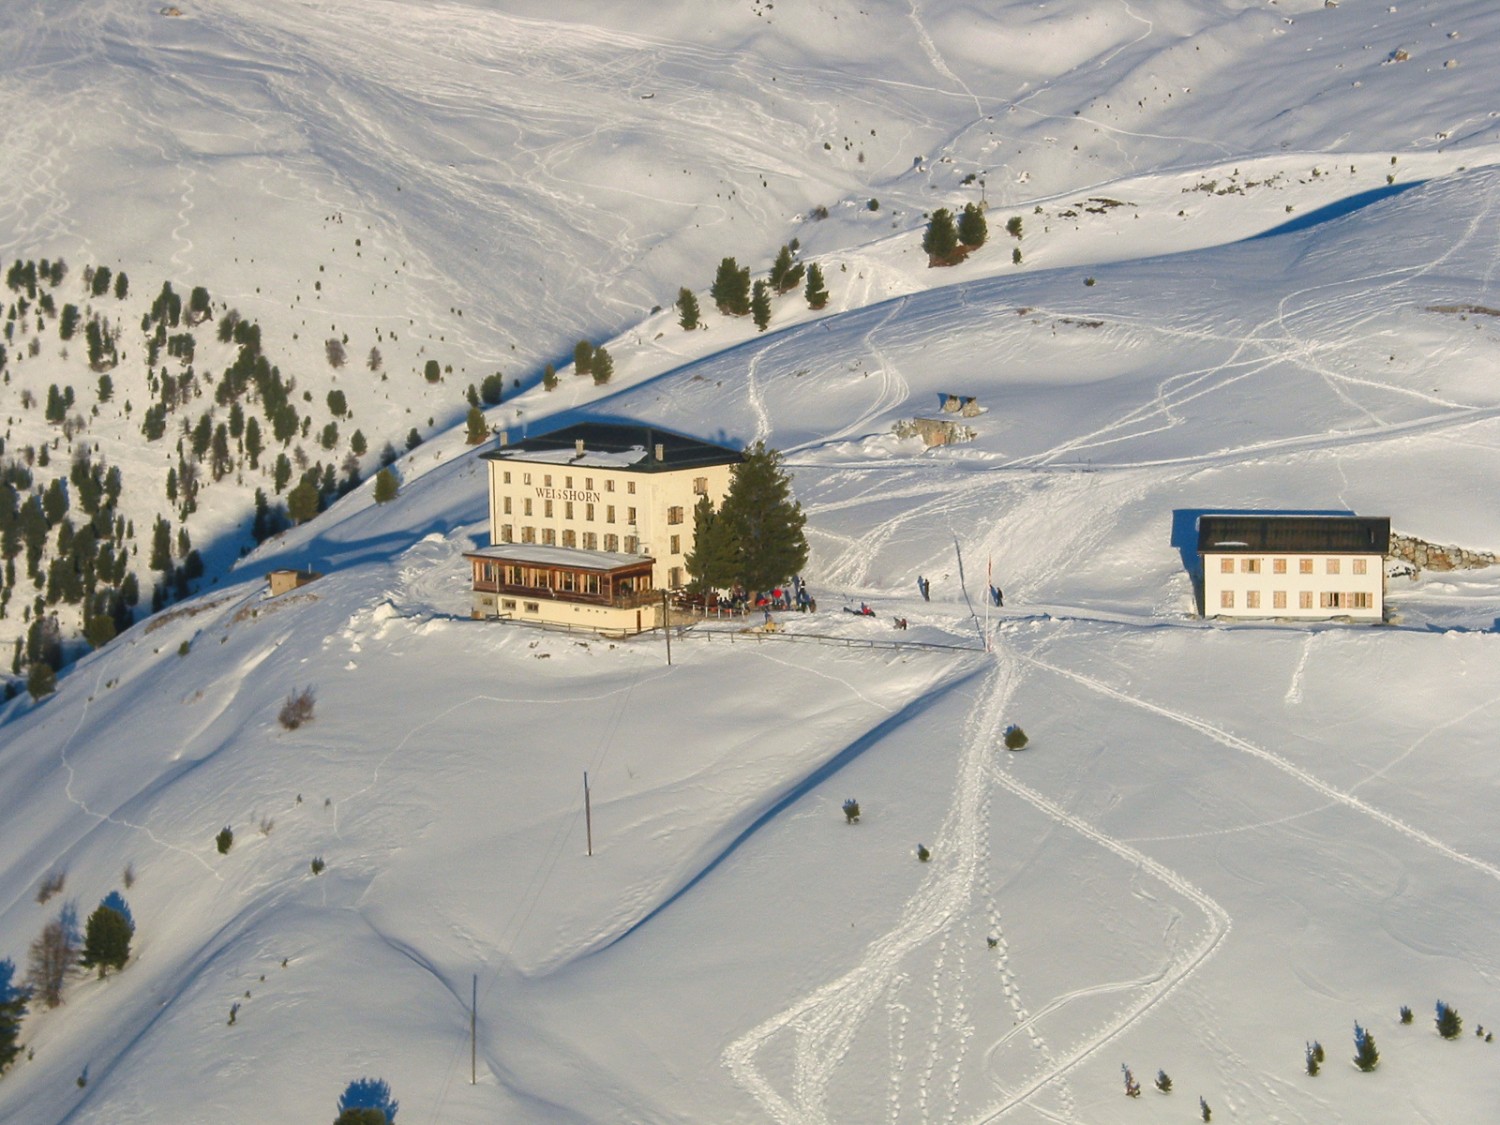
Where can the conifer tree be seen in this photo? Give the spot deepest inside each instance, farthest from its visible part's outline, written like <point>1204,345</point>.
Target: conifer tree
<point>386,486</point>
<point>941,239</point>
<point>13,998</point>
<point>603,366</point>
<point>710,564</point>
<point>492,389</point>
<point>763,521</point>
<point>760,305</point>
<point>549,378</point>
<point>972,229</point>
<point>1366,1057</point>
<point>731,289</point>
<point>302,503</point>
<point>1449,1024</point>
<point>815,292</point>
<point>687,309</point>
<point>106,941</point>
<point>786,274</point>
<point>476,430</point>
<point>583,358</point>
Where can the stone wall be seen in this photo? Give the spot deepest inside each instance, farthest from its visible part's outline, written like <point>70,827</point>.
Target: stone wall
<point>1431,556</point>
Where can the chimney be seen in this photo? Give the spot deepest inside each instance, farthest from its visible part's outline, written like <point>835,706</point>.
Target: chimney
<point>661,451</point>
<point>578,447</point>
<point>504,438</point>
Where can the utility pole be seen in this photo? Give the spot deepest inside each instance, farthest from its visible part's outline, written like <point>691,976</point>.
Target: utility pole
<point>588,812</point>
<point>473,1038</point>
<point>666,625</point>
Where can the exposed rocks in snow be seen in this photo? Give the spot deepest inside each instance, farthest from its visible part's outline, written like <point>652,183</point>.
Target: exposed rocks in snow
<point>1431,556</point>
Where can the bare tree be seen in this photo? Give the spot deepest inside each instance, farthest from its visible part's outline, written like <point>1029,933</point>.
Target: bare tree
<point>333,348</point>
<point>53,956</point>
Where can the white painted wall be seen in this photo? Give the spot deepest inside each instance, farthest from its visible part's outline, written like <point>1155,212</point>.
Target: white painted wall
<point>1245,580</point>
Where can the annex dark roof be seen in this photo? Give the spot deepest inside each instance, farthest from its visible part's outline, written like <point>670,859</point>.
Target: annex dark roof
<point>1305,535</point>
<point>617,445</point>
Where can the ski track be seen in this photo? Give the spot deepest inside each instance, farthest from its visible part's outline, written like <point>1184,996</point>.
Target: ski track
<point>1234,742</point>
<point>822,1025</point>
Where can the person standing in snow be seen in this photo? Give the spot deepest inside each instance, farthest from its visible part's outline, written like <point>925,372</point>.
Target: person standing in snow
<point>923,587</point>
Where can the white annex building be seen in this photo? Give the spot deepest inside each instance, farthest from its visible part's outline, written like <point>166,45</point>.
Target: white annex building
<point>1294,566</point>
<point>588,523</point>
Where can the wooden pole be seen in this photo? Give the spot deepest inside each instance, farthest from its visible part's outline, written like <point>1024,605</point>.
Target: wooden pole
<point>666,625</point>
<point>473,1037</point>
<point>588,812</point>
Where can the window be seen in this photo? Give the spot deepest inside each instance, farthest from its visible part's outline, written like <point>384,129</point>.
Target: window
<point>590,541</point>
<point>1333,566</point>
<point>609,486</point>
<point>1252,599</point>
<point>506,476</point>
<point>609,513</point>
<point>1226,566</point>
<point>630,487</point>
<point>590,583</point>
<point>1331,599</point>
<point>1278,599</point>
<point>512,575</point>
<point>526,506</point>
<point>1304,599</point>
<point>588,484</point>
<point>1304,566</point>
<point>528,535</point>
<point>567,509</point>
<point>547,508</point>
<point>549,537</point>
<point>674,515</point>
<point>1278,566</point>
<point>630,516</point>
<point>547,480</point>
<point>588,512</point>
<point>1358,565</point>
<point>532,607</point>
<point>1361,600</point>
<point>505,533</point>
<point>507,505</point>
<point>611,542</point>
<point>567,580</point>
<point>525,478</point>
<point>676,545</point>
<point>1226,599</point>
<point>508,603</point>
<point>1249,566</point>
<point>700,486</point>
<point>570,538</point>
<point>632,545</point>
<point>674,577</point>
<point>567,482</point>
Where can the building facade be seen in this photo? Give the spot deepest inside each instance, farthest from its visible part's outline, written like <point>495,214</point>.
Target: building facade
<point>575,589</point>
<point>1294,566</point>
<point>611,488</point>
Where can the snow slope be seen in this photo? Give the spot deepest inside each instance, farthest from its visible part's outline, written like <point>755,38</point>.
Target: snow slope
<point>1222,842</point>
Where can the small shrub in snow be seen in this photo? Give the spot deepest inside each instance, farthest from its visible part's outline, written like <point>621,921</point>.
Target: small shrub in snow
<point>51,885</point>
<point>1405,1014</point>
<point>1366,1057</point>
<point>224,840</point>
<point>1132,1087</point>
<point>851,811</point>
<point>1208,1114</point>
<point>1015,738</point>
<point>1449,1023</point>
<point>922,853</point>
<point>370,1095</point>
<point>1314,1058</point>
<point>1163,1082</point>
<point>128,876</point>
<point>266,825</point>
<point>297,709</point>
<point>318,865</point>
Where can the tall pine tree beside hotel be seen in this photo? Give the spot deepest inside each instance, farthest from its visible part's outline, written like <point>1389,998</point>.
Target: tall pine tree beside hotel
<point>762,522</point>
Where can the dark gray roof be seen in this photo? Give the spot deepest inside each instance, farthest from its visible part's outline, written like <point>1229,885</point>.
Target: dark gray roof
<point>1305,535</point>
<point>618,445</point>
